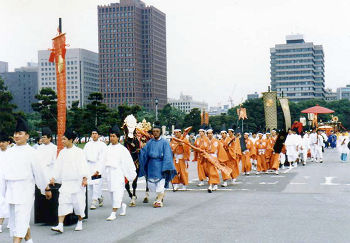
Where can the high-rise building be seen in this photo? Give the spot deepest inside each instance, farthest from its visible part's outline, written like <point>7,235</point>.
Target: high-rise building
<point>297,69</point>
<point>23,85</point>
<point>343,92</point>
<point>4,67</point>
<point>186,103</point>
<point>330,95</point>
<point>82,74</point>
<point>253,96</point>
<point>132,54</point>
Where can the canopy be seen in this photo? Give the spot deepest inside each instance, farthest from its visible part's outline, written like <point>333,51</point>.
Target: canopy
<point>317,110</point>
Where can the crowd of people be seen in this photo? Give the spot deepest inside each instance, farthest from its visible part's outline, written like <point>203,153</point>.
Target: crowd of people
<point>58,184</point>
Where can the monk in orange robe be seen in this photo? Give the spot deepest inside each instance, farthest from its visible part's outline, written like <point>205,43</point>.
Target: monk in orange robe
<point>246,163</point>
<point>209,168</point>
<point>201,142</point>
<point>231,149</point>
<point>269,149</point>
<point>225,155</point>
<point>260,146</point>
<point>181,154</point>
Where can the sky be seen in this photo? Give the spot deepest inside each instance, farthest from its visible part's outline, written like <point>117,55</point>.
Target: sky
<point>216,50</point>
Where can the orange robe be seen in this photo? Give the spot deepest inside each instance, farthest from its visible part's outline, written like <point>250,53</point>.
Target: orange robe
<point>260,146</point>
<point>275,159</point>
<point>233,157</point>
<point>246,164</point>
<point>226,161</point>
<point>269,150</point>
<point>181,154</point>
<point>202,143</point>
<point>209,168</point>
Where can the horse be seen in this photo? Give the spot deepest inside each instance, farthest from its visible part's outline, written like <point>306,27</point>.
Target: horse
<point>134,142</point>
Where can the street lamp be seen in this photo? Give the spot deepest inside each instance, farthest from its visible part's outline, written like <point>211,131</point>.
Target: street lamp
<point>156,102</point>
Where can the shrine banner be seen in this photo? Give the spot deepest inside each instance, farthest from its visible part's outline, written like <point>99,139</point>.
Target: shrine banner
<point>270,109</point>
<point>58,56</point>
<point>286,112</point>
<point>242,113</point>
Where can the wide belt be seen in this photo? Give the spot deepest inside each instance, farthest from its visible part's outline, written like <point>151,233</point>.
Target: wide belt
<point>178,157</point>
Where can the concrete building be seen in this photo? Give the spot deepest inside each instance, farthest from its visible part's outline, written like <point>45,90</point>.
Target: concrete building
<point>343,92</point>
<point>31,67</point>
<point>82,74</point>
<point>330,95</point>
<point>253,96</point>
<point>186,103</point>
<point>132,52</point>
<point>297,69</point>
<point>218,110</point>
<point>23,85</point>
<point>4,67</point>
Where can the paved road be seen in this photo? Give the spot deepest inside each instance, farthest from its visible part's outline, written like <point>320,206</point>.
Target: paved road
<point>304,204</point>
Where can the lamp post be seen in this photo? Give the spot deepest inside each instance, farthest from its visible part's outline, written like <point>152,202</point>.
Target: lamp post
<point>156,102</point>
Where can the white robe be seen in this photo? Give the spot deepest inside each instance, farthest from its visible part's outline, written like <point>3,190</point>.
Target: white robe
<point>70,169</point>
<point>94,152</point>
<point>342,144</point>
<point>47,158</point>
<point>4,207</point>
<point>21,172</point>
<point>292,142</point>
<point>118,164</point>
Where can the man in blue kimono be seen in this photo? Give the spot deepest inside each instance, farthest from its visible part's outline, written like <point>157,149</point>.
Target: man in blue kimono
<point>332,140</point>
<point>156,164</point>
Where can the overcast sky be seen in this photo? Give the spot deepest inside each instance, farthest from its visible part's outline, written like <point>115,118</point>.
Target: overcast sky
<point>216,49</point>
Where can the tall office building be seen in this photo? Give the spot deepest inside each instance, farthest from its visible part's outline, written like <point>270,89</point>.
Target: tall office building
<point>81,78</point>
<point>132,54</point>
<point>23,85</point>
<point>297,69</point>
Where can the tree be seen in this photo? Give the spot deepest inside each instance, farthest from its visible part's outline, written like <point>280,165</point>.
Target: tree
<point>75,119</point>
<point>7,115</point>
<point>96,111</point>
<point>193,119</point>
<point>47,108</point>
<point>170,115</point>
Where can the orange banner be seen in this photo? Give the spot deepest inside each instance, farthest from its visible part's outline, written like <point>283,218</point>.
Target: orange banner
<point>58,55</point>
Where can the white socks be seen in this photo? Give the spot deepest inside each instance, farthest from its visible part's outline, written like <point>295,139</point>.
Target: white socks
<point>29,241</point>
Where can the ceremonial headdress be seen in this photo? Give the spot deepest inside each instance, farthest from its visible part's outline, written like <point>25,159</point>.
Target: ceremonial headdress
<point>70,134</point>
<point>223,128</point>
<point>115,130</point>
<point>46,131</point>
<point>4,137</point>
<point>95,130</point>
<point>22,125</point>
<point>157,125</point>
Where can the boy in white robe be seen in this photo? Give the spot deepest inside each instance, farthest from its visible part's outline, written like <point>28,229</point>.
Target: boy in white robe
<point>71,172</point>
<point>118,166</point>
<point>4,207</point>
<point>319,147</point>
<point>20,184</point>
<point>313,140</point>
<point>94,151</point>
<point>292,142</point>
<point>342,145</point>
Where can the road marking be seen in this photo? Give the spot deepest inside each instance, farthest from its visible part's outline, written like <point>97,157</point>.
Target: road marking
<point>268,183</point>
<point>297,183</point>
<point>287,170</point>
<point>328,182</point>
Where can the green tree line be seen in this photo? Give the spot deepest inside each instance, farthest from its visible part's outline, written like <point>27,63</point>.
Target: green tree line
<point>96,114</point>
